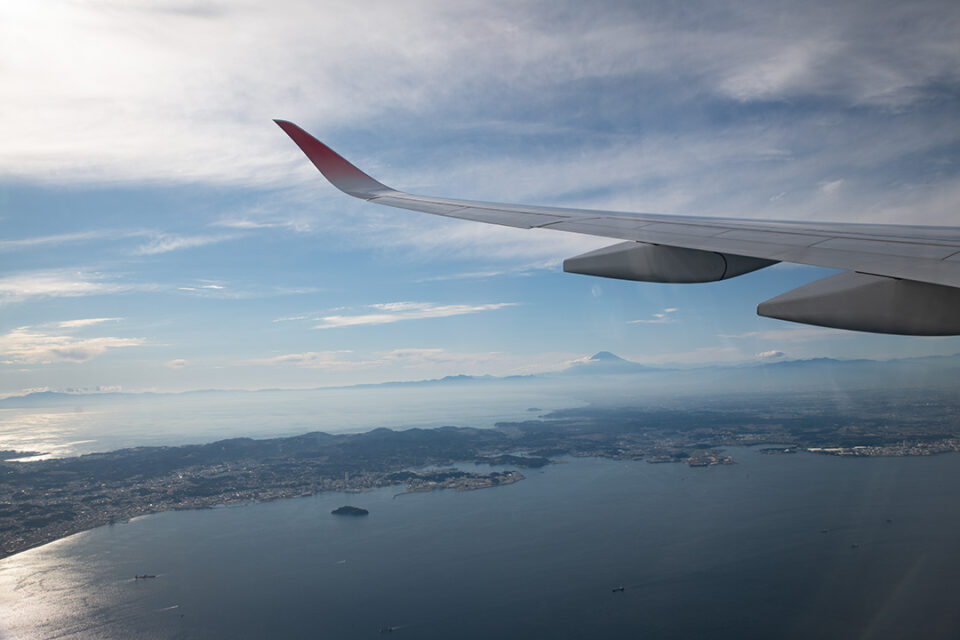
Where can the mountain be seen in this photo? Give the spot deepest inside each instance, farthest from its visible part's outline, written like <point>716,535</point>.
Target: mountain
<point>782,375</point>
<point>604,362</point>
<point>605,356</point>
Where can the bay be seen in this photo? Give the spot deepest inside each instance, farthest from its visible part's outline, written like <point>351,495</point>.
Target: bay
<point>792,546</point>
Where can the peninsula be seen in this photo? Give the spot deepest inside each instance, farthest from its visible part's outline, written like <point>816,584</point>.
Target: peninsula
<point>43,500</point>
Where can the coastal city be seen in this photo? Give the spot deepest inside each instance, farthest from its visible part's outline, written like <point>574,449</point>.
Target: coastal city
<point>44,500</point>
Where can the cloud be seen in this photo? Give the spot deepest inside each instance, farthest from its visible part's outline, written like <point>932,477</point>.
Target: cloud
<point>441,361</point>
<point>27,345</point>
<point>425,237</point>
<point>178,363</point>
<point>254,223</point>
<point>110,388</point>
<point>390,312</point>
<point>698,356</point>
<point>57,284</point>
<point>242,223</point>
<point>316,360</point>
<point>518,271</point>
<point>830,187</point>
<point>793,334</point>
<point>419,357</point>
<point>54,240</point>
<point>166,242</point>
<point>422,362</point>
<point>664,317</point>
<point>239,290</point>
<point>771,355</point>
<point>85,322</point>
<point>131,58</point>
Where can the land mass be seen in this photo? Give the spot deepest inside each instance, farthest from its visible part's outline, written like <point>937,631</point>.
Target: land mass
<point>43,500</point>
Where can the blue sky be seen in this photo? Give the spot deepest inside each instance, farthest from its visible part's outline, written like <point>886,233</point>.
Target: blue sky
<point>159,232</point>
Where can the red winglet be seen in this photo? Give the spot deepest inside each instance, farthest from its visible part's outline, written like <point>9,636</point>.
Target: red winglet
<point>333,166</point>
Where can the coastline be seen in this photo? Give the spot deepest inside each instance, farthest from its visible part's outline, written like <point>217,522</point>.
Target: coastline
<point>42,500</point>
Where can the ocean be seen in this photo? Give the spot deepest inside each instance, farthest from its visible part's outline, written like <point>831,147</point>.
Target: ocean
<point>786,546</point>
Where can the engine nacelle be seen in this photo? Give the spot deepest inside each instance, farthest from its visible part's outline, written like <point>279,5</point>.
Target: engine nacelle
<point>659,263</point>
<point>862,302</point>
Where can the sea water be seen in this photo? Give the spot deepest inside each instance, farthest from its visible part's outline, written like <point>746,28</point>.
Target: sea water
<point>786,546</point>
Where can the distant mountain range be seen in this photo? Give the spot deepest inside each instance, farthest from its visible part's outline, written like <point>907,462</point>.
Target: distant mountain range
<point>763,375</point>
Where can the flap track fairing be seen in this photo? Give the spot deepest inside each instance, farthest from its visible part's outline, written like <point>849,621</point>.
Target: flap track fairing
<point>659,263</point>
<point>863,302</point>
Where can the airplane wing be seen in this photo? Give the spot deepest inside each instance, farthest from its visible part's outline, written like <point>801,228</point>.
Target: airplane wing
<point>897,279</point>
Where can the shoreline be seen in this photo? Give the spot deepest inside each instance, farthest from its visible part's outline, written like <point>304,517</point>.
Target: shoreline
<point>417,482</point>
<point>45,500</point>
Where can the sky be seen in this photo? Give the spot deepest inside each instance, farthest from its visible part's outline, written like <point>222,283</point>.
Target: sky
<point>159,232</point>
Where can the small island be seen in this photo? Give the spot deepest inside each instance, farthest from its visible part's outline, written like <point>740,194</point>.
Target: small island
<point>347,510</point>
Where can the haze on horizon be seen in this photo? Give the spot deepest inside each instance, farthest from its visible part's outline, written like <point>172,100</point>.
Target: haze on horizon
<point>159,233</point>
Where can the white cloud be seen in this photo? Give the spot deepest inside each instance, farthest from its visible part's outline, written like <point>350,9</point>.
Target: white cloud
<point>426,237</point>
<point>242,223</point>
<point>517,271</point>
<point>85,322</point>
<point>257,222</point>
<point>440,361</point>
<point>178,363</point>
<point>110,388</point>
<point>699,356</point>
<point>422,362</point>
<point>318,61</point>
<point>792,334</point>
<point>341,359</point>
<point>390,312</point>
<point>26,345</point>
<point>420,357</point>
<point>830,187</point>
<point>56,284</point>
<point>63,238</point>
<point>771,355</point>
<point>240,290</point>
<point>166,242</point>
<point>663,317</point>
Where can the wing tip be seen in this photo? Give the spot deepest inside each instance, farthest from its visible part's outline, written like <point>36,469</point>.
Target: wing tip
<point>334,167</point>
